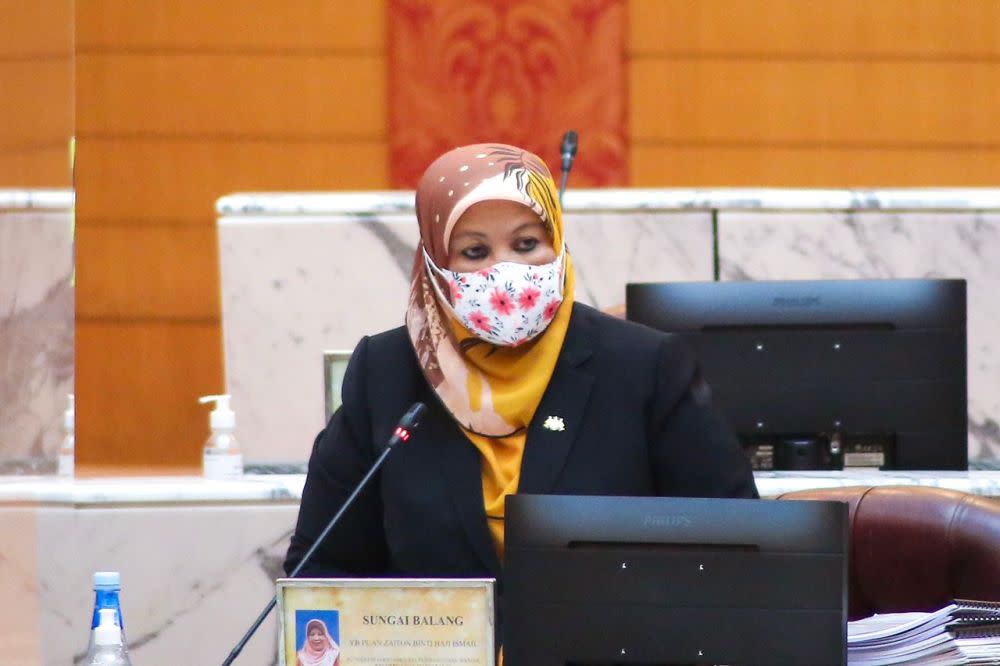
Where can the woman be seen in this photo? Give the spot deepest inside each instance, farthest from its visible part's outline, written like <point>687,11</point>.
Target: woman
<point>526,390</point>
<point>318,649</point>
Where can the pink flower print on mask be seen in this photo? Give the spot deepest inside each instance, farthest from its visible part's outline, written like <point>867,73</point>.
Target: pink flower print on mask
<point>550,309</point>
<point>501,302</point>
<point>480,321</point>
<point>528,298</point>
<point>506,304</point>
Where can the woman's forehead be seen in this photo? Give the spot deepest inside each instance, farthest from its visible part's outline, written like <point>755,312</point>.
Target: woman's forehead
<point>496,215</point>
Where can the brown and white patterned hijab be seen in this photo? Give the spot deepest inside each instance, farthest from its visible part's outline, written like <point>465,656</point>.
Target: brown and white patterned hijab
<point>489,390</point>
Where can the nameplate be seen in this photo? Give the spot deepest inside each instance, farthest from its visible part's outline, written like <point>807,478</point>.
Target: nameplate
<point>386,622</point>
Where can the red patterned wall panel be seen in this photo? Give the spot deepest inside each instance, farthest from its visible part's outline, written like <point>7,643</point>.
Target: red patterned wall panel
<point>515,71</point>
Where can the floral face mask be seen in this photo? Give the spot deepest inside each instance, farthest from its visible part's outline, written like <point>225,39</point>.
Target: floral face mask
<point>506,304</point>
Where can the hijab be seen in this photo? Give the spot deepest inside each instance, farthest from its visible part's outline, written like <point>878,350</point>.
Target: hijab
<point>489,390</point>
<point>327,656</point>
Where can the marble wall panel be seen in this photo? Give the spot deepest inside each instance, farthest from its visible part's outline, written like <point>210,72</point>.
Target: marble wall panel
<point>842,245</point>
<point>294,286</point>
<point>36,336</point>
<point>290,290</point>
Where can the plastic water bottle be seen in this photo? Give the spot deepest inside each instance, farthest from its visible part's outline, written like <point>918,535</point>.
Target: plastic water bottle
<point>107,589</point>
<point>109,645</point>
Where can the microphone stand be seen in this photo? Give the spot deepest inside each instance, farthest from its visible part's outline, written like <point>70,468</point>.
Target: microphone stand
<point>567,151</point>
<point>400,435</point>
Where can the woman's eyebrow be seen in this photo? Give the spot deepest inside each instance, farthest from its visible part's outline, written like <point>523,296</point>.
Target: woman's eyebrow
<point>476,234</point>
<point>529,223</point>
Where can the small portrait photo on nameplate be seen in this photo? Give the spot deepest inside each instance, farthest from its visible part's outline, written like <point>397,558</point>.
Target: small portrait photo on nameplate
<point>389,622</point>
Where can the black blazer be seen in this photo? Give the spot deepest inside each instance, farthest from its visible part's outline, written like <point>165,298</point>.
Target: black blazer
<point>638,422</point>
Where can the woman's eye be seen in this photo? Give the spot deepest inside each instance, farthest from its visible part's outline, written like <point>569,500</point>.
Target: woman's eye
<point>475,253</point>
<point>526,244</point>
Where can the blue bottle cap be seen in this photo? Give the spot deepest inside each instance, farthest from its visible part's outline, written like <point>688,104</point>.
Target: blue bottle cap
<point>107,579</point>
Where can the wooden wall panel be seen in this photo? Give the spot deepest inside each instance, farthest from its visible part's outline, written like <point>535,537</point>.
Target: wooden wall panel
<point>138,383</point>
<point>228,25</point>
<point>687,165</point>
<point>180,103</point>
<point>36,28</point>
<point>823,94</point>
<point>35,166</point>
<point>919,104</point>
<point>146,180</point>
<point>798,29</point>
<point>226,95</point>
<point>36,83</point>
<point>141,277</point>
<point>37,102</point>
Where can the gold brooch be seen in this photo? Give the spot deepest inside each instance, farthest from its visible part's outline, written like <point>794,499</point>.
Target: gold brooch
<point>554,423</point>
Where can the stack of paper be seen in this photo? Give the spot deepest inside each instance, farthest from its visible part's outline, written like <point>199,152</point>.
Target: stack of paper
<point>964,632</point>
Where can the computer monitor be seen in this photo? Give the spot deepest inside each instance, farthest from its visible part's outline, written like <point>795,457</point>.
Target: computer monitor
<point>828,374</point>
<point>658,580</point>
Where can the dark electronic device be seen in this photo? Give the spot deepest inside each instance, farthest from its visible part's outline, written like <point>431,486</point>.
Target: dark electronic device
<point>659,580</point>
<point>567,153</point>
<point>828,374</point>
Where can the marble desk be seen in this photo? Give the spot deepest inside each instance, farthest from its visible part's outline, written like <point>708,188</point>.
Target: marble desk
<point>198,561</point>
<point>199,558</point>
<point>306,272</point>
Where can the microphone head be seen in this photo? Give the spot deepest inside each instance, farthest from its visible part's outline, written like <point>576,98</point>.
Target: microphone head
<point>411,419</point>
<point>569,143</point>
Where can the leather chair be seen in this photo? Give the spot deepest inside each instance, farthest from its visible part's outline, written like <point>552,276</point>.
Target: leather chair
<point>915,548</point>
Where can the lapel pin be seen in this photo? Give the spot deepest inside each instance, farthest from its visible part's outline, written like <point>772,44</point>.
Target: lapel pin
<point>554,423</point>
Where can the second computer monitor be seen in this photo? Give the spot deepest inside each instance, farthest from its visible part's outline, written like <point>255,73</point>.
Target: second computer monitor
<point>828,374</point>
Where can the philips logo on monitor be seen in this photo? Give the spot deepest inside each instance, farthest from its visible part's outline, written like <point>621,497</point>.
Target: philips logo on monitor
<point>796,301</point>
<point>673,520</point>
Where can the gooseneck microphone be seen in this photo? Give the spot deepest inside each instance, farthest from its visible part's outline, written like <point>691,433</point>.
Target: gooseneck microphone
<point>567,151</point>
<point>407,424</point>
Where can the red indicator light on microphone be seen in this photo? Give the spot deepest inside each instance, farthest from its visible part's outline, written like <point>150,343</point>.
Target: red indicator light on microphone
<point>402,433</point>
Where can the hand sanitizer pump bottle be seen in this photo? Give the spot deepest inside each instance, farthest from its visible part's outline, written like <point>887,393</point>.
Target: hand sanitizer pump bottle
<point>67,450</point>
<point>222,458</point>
